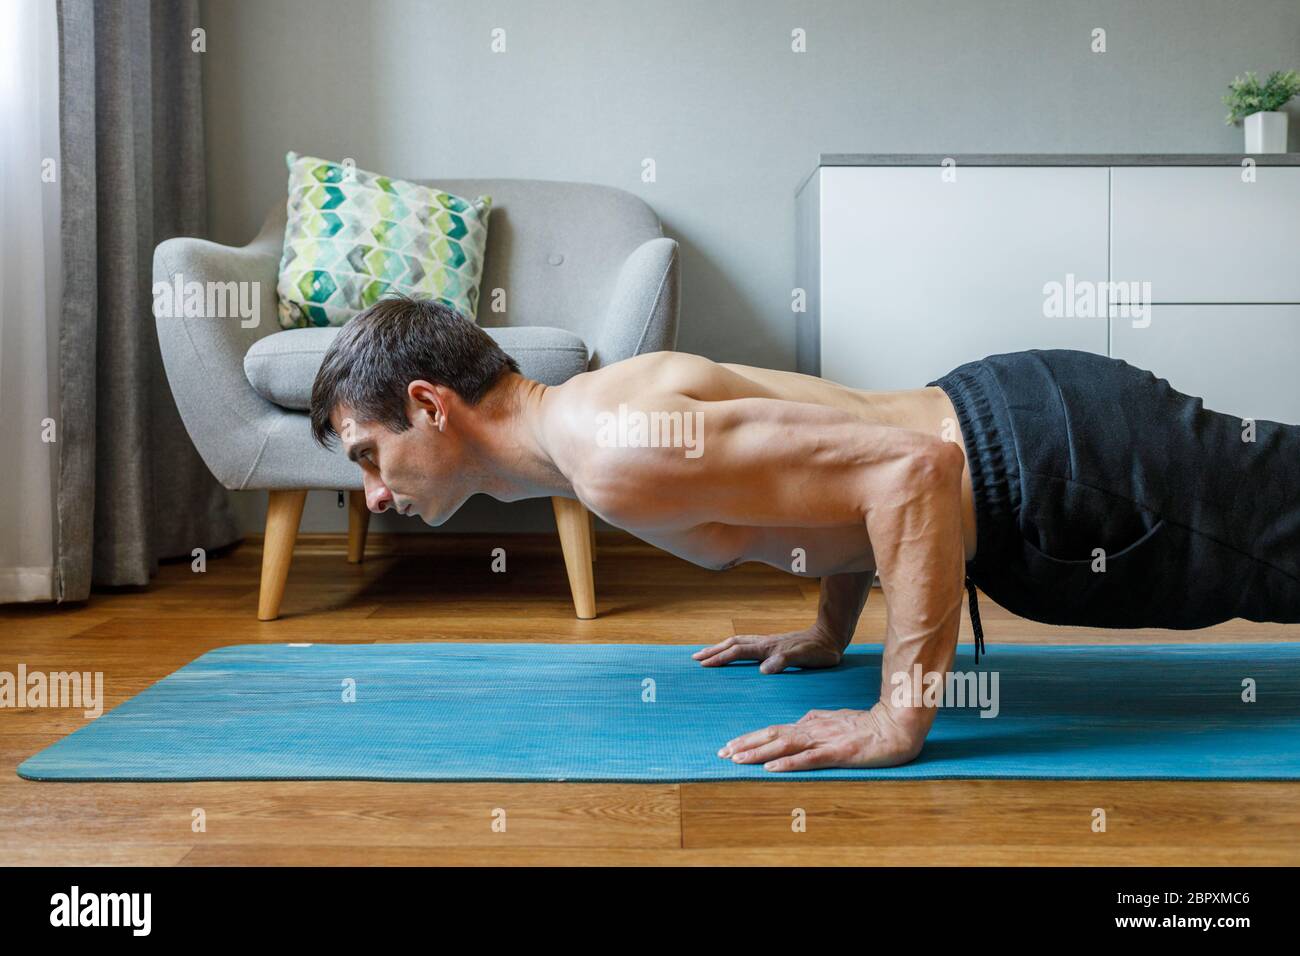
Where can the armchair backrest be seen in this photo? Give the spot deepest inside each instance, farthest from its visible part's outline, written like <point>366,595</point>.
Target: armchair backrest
<point>555,248</point>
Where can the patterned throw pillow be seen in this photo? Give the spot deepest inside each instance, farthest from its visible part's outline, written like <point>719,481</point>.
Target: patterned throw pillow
<point>353,236</point>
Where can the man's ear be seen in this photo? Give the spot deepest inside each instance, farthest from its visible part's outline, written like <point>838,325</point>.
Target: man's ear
<point>430,401</point>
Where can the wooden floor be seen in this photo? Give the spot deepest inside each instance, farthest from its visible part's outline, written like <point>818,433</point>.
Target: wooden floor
<point>427,587</point>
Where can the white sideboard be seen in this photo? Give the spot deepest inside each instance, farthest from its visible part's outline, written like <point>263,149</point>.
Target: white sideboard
<point>911,266</point>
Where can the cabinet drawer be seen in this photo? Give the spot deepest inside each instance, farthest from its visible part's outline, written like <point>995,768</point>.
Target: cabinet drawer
<point>1201,234</point>
<point>1241,359</point>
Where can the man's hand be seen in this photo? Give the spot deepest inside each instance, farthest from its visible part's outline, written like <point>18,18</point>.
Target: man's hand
<point>880,737</point>
<point>811,647</point>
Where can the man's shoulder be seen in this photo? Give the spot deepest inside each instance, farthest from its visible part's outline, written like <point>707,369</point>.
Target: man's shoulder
<point>657,376</point>
<point>664,382</point>
<point>615,432</point>
<point>663,362</point>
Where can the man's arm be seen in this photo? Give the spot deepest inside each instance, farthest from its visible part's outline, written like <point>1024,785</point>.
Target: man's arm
<point>921,558</point>
<point>912,506</point>
<point>774,463</point>
<point>840,603</point>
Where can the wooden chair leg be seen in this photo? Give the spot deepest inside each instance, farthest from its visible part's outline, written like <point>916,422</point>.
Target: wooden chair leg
<point>574,524</point>
<point>591,521</point>
<point>283,513</point>
<point>358,525</point>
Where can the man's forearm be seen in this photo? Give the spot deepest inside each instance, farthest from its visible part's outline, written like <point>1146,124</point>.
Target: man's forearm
<point>840,604</point>
<point>916,537</point>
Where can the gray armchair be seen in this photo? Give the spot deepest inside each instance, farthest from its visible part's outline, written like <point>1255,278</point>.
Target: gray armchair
<point>589,280</point>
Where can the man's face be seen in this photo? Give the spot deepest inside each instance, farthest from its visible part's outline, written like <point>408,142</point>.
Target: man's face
<point>418,471</point>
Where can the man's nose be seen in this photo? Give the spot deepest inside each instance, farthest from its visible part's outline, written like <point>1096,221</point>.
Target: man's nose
<point>378,497</point>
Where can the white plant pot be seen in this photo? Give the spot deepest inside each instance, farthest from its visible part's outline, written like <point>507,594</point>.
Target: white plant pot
<point>1266,132</point>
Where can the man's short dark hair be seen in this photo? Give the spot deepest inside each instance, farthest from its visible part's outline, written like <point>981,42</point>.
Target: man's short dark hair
<point>397,341</point>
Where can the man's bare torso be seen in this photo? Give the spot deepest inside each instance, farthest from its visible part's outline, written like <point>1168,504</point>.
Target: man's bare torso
<point>773,480</point>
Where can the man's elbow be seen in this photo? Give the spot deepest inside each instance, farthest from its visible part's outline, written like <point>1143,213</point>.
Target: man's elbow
<point>935,465</point>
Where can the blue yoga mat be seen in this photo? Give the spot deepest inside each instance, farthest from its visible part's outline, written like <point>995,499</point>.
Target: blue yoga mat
<point>617,712</point>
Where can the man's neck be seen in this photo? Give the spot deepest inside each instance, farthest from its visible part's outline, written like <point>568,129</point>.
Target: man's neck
<point>510,441</point>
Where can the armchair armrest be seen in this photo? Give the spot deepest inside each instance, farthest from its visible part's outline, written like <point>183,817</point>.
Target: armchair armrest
<point>204,355</point>
<point>642,313</point>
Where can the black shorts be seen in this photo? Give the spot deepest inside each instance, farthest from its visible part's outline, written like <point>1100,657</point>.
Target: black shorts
<point>1105,498</point>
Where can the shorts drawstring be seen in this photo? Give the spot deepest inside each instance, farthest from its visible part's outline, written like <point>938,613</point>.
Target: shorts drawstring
<point>975,619</point>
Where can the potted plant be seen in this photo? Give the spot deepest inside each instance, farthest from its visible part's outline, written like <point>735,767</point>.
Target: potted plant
<point>1260,106</point>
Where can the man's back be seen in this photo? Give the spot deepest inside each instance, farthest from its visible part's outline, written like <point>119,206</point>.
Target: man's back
<point>722,463</point>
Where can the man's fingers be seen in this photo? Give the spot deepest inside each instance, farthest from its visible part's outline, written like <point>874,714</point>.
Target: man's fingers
<point>730,642</point>
<point>750,741</point>
<point>817,715</point>
<point>773,664</point>
<point>815,758</point>
<point>735,649</point>
<point>784,745</point>
<point>713,649</point>
<point>737,652</point>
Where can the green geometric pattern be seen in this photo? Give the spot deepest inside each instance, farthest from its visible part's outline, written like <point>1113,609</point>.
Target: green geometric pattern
<point>352,236</point>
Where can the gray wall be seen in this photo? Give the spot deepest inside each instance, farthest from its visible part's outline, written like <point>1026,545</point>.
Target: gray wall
<point>712,92</point>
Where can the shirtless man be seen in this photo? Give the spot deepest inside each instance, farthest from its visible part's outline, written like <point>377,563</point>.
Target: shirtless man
<point>1070,487</point>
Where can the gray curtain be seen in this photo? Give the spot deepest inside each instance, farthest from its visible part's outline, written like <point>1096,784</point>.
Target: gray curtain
<point>131,487</point>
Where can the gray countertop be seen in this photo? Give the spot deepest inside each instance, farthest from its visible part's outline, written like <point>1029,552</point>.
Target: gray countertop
<point>1058,159</point>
